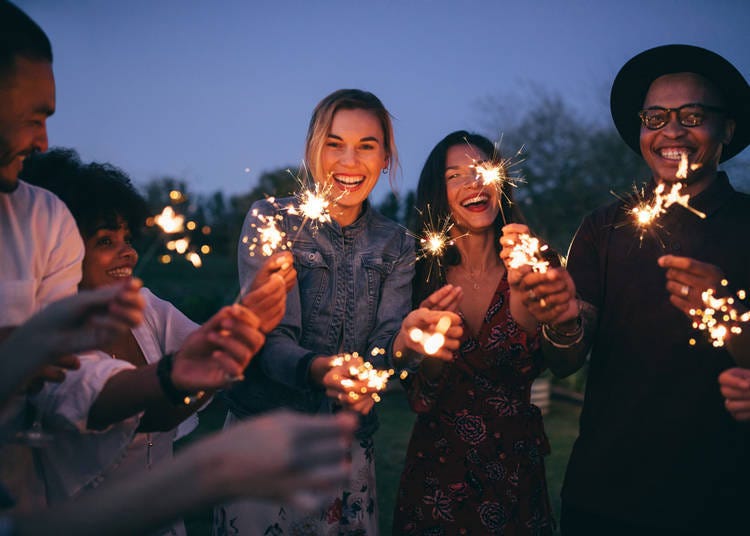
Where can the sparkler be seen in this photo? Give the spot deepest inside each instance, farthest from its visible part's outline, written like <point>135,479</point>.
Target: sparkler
<point>434,239</point>
<point>431,342</point>
<point>526,252</point>
<point>719,318</point>
<point>646,213</point>
<point>363,371</point>
<point>499,173</point>
<point>270,237</point>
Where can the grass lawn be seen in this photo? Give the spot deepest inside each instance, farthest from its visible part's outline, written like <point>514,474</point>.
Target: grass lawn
<point>396,419</point>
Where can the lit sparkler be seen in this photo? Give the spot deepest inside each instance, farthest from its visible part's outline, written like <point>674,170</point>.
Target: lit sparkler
<point>434,239</point>
<point>526,252</point>
<point>719,318</point>
<point>646,213</point>
<point>362,371</point>
<point>431,342</point>
<point>270,237</point>
<point>499,173</point>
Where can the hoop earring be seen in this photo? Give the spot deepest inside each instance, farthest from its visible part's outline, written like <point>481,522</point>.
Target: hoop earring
<point>385,171</point>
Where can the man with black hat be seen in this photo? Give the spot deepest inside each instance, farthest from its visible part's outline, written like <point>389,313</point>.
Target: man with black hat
<point>657,451</point>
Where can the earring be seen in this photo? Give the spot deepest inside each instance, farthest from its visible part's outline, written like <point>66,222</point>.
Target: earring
<point>385,171</point>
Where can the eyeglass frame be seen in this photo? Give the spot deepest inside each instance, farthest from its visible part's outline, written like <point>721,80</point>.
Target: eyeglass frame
<point>677,111</point>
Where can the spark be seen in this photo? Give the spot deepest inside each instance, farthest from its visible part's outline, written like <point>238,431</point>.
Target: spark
<point>313,204</point>
<point>526,252</point>
<point>363,371</point>
<point>169,221</point>
<point>431,342</point>
<point>719,317</point>
<point>647,212</point>
<point>434,239</point>
<point>195,259</point>
<point>499,173</point>
<point>270,238</point>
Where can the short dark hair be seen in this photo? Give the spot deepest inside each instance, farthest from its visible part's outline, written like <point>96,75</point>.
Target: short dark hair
<point>20,36</point>
<point>96,194</point>
<point>432,202</point>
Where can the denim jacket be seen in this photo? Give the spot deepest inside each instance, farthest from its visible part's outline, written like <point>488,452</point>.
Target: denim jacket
<point>353,290</point>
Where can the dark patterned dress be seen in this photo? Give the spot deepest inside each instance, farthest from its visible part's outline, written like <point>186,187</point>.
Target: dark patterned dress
<point>475,460</point>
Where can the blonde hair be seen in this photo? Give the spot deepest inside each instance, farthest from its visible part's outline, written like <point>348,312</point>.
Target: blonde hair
<point>322,118</point>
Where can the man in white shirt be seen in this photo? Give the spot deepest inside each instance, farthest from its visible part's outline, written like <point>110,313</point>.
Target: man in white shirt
<point>41,254</point>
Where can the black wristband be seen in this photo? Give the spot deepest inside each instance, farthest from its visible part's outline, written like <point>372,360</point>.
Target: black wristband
<point>164,374</point>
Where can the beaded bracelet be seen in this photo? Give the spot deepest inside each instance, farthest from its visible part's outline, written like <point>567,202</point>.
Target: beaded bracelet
<point>557,344</point>
<point>567,334</point>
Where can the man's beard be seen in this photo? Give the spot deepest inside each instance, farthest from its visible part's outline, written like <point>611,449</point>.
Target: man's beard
<point>7,185</point>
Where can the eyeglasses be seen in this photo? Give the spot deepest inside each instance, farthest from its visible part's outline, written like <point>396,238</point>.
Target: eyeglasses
<point>689,115</point>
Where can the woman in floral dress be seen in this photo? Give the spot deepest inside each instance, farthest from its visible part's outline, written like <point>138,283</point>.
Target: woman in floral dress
<point>475,460</point>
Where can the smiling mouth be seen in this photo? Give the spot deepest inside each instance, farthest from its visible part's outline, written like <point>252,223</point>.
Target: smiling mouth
<point>120,272</point>
<point>673,153</point>
<point>348,182</point>
<point>479,201</point>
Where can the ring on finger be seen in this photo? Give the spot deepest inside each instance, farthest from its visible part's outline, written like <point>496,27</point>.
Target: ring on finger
<point>684,290</point>
<point>543,302</point>
<point>532,296</point>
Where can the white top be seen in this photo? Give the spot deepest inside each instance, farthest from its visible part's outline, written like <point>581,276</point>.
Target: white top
<point>40,259</point>
<point>40,262</point>
<point>81,459</point>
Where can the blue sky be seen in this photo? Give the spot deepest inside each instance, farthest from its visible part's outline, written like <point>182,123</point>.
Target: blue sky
<point>205,91</point>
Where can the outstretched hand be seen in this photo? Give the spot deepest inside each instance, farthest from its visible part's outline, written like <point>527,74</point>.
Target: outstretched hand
<point>446,298</point>
<point>267,296</point>
<point>85,321</point>
<point>431,322</point>
<point>687,279</point>
<point>549,297</point>
<point>735,388</point>
<point>219,350</point>
<point>281,455</point>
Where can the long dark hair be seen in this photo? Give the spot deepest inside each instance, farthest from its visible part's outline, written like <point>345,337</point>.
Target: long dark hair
<point>432,203</point>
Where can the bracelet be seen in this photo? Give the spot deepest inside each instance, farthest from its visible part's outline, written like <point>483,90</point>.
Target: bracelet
<point>174,395</point>
<point>563,346</point>
<point>567,334</point>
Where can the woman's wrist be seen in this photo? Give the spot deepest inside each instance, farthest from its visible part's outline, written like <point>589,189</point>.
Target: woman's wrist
<point>319,368</point>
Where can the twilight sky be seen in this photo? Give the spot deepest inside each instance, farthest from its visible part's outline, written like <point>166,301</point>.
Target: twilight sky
<point>217,92</point>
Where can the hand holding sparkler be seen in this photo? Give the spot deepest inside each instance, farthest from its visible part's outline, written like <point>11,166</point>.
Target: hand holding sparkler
<point>687,279</point>
<point>735,388</point>
<point>547,294</point>
<point>267,296</point>
<point>353,382</point>
<point>446,298</point>
<point>429,332</point>
<point>217,351</point>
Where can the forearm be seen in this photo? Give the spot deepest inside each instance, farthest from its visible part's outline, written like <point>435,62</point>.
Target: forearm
<point>17,370</point>
<point>189,482</point>
<point>738,346</point>
<point>128,393</point>
<point>565,355</point>
<point>521,314</point>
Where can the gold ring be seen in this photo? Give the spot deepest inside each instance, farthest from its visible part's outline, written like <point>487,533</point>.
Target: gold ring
<point>685,290</point>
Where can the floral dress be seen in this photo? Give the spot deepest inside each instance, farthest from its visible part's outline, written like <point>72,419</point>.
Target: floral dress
<point>475,459</point>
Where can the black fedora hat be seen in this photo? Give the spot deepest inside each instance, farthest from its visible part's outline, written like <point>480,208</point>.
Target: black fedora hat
<point>634,79</point>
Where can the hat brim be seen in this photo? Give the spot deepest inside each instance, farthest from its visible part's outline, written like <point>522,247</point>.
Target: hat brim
<point>634,79</point>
